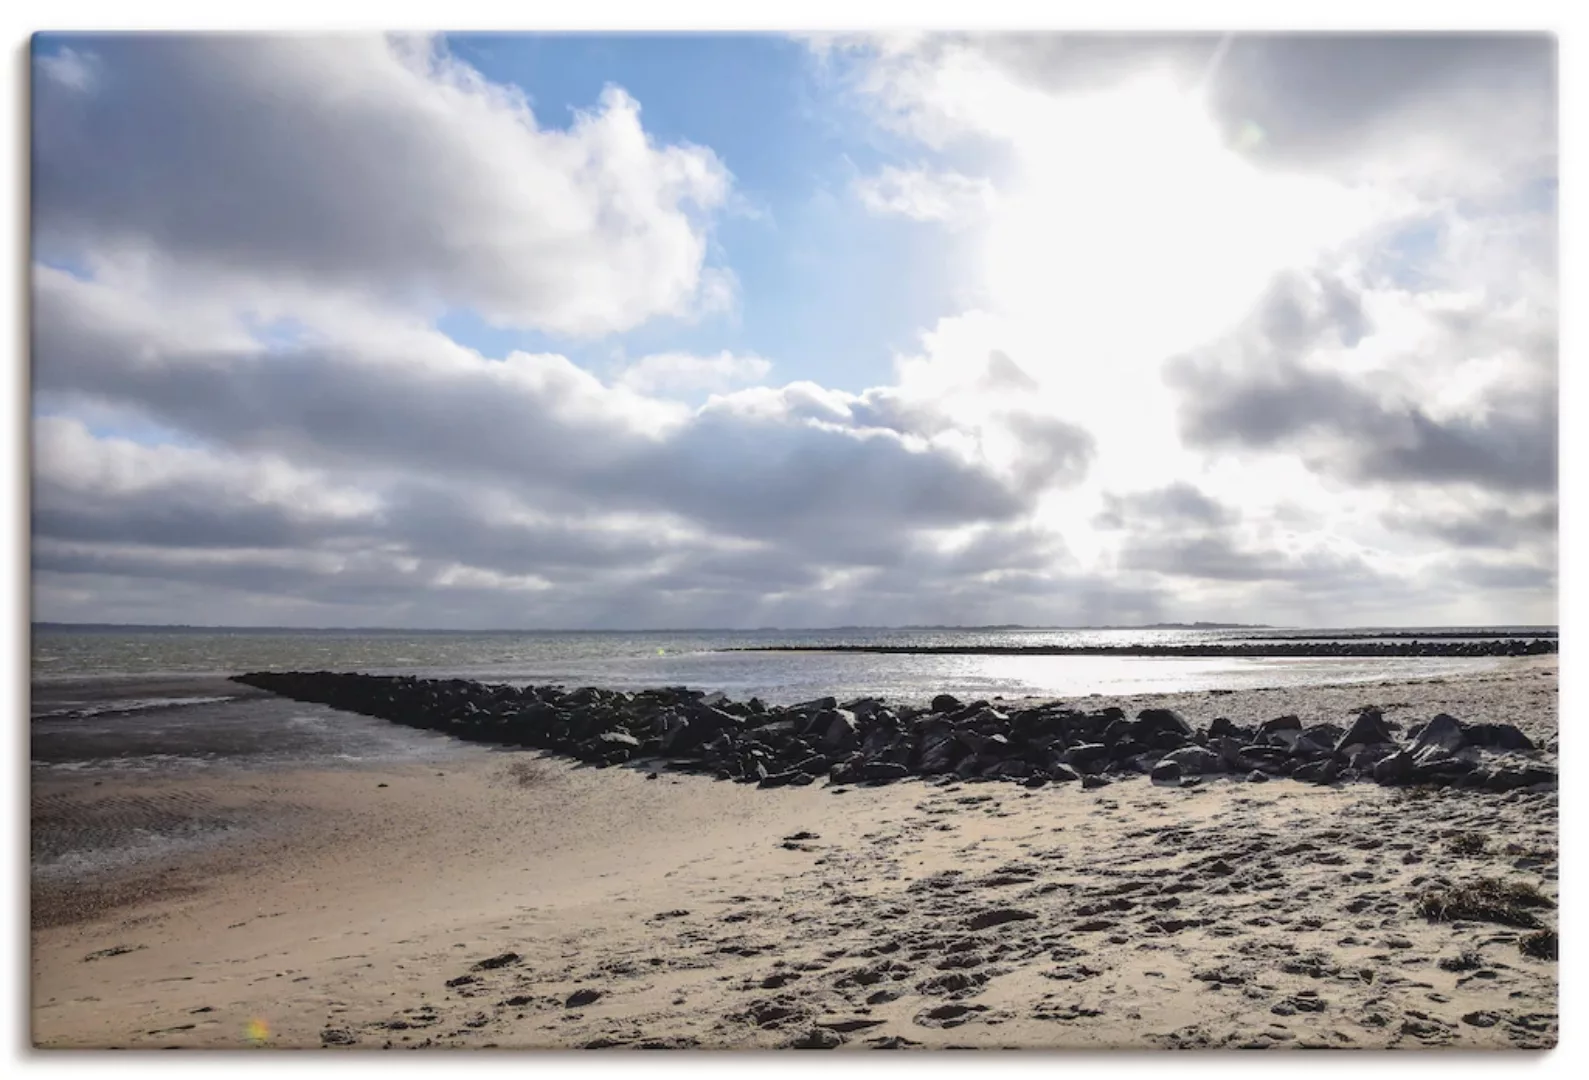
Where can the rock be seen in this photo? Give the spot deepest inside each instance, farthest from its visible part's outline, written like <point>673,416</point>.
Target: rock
<point>1257,776</point>
<point>945,703</point>
<point>1270,728</point>
<point>499,961</point>
<point>619,738</point>
<point>1222,726</point>
<point>1443,733</point>
<point>1086,757</point>
<point>1515,778</point>
<point>1317,772</point>
<point>1093,781</point>
<point>580,998</point>
<point>1063,774</point>
<point>1394,769</point>
<point>1166,770</point>
<point>1496,737</point>
<point>1369,729</point>
<point>1194,760</point>
<point>841,731</point>
<point>1152,721</point>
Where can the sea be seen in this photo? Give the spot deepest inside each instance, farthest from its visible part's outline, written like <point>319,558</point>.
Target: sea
<point>116,700</point>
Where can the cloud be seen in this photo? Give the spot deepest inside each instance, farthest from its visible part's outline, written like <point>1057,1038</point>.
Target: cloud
<point>1266,386</point>
<point>671,373</point>
<point>925,195</point>
<point>377,166</point>
<point>1176,503</point>
<point>1269,338</point>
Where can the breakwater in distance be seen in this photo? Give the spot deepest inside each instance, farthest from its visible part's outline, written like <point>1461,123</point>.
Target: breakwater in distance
<point>1271,648</point>
<point>868,741</point>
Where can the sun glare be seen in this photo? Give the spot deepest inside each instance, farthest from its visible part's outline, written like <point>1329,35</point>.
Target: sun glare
<point>1134,230</point>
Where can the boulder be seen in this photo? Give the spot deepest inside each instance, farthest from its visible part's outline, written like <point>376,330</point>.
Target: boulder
<point>1150,722</point>
<point>1369,729</point>
<point>1087,757</point>
<point>1270,728</point>
<point>1063,774</point>
<point>944,703</point>
<point>1443,732</point>
<point>1194,760</point>
<point>1394,769</point>
<point>841,730</point>
<point>1166,770</point>
<point>1496,737</point>
<point>1317,772</point>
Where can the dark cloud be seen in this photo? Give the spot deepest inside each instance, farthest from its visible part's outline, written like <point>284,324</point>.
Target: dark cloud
<point>1493,527</point>
<point>1178,503</point>
<point>1345,431</point>
<point>1260,389</point>
<point>1220,557</point>
<point>1330,102</point>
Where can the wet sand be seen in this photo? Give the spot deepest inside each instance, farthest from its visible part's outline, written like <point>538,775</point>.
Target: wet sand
<point>508,899</point>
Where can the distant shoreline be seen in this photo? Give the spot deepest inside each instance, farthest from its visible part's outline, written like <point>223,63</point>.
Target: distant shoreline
<point>1324,633</point>
<point>1478,645</point>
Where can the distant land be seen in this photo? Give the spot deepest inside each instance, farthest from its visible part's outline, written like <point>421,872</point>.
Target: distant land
<point>189,628</point>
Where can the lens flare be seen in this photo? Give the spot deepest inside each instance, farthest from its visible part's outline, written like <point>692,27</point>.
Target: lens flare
<point>257,1032</point>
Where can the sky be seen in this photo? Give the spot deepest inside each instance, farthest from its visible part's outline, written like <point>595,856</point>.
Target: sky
<point>603,331</point>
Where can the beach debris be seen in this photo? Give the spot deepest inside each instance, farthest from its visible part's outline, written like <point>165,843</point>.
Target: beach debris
<point>499,961</point>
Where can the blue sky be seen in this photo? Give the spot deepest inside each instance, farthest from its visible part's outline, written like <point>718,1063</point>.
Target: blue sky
<point>827,291</point>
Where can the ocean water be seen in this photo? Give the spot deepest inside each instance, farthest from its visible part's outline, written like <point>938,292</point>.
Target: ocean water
<point>107,698</point>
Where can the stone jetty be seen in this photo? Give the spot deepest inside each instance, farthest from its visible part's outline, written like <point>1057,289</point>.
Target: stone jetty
<point>866,741</point>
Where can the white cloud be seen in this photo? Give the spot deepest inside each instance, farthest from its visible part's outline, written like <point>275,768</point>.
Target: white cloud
<point>382,167</point>
<point>672,373</point>
<point>925,195</point>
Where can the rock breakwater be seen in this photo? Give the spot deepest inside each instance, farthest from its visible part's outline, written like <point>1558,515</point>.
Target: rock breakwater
<point>869,741</point>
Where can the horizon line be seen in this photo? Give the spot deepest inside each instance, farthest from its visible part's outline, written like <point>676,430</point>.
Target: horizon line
<point>1195,625</point>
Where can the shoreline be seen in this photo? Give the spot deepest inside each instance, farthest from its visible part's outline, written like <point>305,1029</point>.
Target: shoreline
<point>690,908</point>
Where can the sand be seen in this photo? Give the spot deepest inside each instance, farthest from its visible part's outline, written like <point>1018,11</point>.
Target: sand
<point>513,900</point>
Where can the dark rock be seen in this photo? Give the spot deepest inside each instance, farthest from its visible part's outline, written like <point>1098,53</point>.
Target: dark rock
<point>1496,737</point>
<point>1166,770</point>
<point>1257,776</point>
<point>841,730</point>
<point>1063,774</point>
<point>1270,728</point>
<point>945,703</point>
<point>500,961</point>
<point>1369,729</point>
<point>1441,733</point>
<point>1086,757</point>
<point>1194,760</point>
<point>580,998</point>
<point>1317,772</point>
<point>1152,721</point>
<point>1094,781</point>
<point>1394,769</point>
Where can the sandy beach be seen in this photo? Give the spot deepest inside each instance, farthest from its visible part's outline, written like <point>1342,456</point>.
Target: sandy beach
<point>518,900</point>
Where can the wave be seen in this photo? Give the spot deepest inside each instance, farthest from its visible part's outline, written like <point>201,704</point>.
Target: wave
<point>127,705</point>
